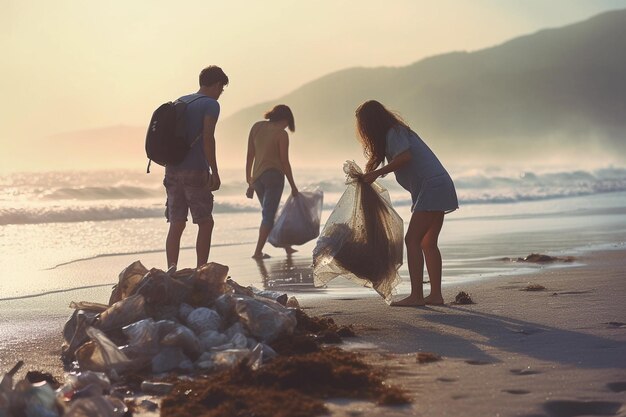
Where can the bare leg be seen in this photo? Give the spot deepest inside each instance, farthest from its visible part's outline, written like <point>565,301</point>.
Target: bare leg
<point>432,256</point>
<point>203,242</point>
<point>418,226</point>
<point>264,232</point>
<point>290,250</point>
<point>172,243</point>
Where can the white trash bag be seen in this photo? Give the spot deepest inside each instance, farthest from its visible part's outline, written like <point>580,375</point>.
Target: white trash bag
<point>299,219</point>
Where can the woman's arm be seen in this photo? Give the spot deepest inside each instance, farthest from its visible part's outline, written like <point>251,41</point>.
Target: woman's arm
<point>283,148</point>
<point>396,163</point>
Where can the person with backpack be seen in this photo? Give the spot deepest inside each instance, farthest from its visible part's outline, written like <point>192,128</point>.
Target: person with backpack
<point>190,184</point>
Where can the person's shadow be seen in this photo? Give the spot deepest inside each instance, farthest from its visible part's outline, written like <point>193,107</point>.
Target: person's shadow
<point>531,339</point>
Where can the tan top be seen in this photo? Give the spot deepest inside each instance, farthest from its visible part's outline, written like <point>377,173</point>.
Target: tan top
<point>266,151</point>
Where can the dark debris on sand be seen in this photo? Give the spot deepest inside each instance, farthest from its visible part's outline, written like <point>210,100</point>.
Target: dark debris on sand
<point>288,386</point>
<point>427,357</point>
<point>534,287</point>
<point>463,298</point>
<point>541,259</point>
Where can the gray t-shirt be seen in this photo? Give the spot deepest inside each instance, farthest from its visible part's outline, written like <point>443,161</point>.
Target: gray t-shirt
<point>423,164</point>
<point>194,121</point>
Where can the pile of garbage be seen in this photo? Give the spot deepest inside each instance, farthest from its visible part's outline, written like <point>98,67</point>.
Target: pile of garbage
<point>185,321</point>
<point>157,323</point>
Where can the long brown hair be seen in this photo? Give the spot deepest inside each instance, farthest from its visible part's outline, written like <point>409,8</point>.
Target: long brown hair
<point>373,121</point>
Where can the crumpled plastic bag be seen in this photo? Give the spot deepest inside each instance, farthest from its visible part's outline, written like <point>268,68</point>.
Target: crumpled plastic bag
<point>299,219</point>
<point>143,338</point>
<point>74,329</point>
<point>185,339</point>
<point>209,282</point>
<point>161,289</point>
<point>169,359</point>
<point>125,311</point>
<point>102,355</point>
<point>362,239</point>
<point>202,319</point>
<point>128,280</point>
<point>97,406</point>
<point>266,320</point>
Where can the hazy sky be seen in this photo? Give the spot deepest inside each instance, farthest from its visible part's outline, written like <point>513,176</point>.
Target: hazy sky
<point>80,64</point>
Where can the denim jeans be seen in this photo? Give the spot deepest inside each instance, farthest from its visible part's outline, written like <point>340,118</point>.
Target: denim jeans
<point>269,189</point>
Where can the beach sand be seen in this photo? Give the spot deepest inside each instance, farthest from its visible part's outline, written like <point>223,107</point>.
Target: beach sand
<point>514,353</point>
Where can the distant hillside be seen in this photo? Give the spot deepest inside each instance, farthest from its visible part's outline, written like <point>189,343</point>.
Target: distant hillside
<point>558,91</point>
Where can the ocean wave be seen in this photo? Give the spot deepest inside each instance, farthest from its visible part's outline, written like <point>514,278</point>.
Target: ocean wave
<point>35,204</point>
<point>101,193</point>
<point>67,214</point>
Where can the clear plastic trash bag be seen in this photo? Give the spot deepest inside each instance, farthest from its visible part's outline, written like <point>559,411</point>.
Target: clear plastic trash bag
<point>123,312</point>
<point>128,280</point>
<point>362,239</point>
<point>266,320</point>
<point>102,355</point>
<point>299,219</point>
<point>97,407</point>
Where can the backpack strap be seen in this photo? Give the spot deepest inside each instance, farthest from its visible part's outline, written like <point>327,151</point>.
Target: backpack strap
<point>193,142</point>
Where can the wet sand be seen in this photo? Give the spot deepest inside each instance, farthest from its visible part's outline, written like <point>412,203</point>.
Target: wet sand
<point>512,353</point>
<point>557,352</point>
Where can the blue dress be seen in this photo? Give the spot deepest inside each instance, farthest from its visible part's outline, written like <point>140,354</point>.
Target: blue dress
<point>424,176</point>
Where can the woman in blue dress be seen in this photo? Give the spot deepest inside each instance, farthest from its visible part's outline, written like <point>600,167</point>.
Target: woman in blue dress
<point>384,135</point>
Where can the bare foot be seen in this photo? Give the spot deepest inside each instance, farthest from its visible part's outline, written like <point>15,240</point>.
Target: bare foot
<point>290,250</point>
<point>410,301</point>
<point>261,256</point>
<point>434,301</point>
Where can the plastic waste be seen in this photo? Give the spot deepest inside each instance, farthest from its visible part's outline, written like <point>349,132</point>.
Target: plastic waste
<point>228,358</point>
<point>126,311</point>
<point>184,310</point>
<point>97,407</point>
<point>266,320</point>
<point>184,338</point>
<point>209,282</point>
<point>160,289</point>
<point>168,359</point>
<point>280,298</point>
<point>156,388</point>
<point>225,306</point>
<point>128,280</point>
<point>143,337</point>
<point>212,338</point>
<point>85,383</point>
<point>362,239</point>
<point>299,219</point>
<point>74,331</point>
<point>202,319</point>
<point>38,399</point>
<point>102,355</point>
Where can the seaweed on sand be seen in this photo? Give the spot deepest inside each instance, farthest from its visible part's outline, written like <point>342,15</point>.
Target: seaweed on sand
<point>287,386</point>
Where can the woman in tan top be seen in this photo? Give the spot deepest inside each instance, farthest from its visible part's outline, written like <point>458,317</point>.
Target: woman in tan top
<point>267,165</point>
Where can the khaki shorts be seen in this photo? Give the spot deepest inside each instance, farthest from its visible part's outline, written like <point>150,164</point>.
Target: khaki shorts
<point>188,190</point>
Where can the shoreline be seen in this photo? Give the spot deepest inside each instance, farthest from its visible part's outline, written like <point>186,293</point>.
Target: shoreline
<point>567,346</point>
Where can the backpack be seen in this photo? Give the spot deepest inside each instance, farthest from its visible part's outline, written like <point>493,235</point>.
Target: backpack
<point>166,142</point>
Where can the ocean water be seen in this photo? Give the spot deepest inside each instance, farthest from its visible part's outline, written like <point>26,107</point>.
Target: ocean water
<point>61,231</point>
